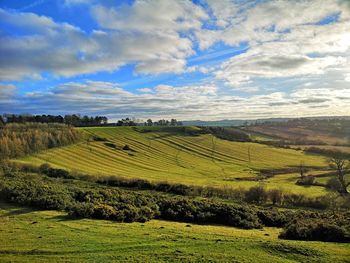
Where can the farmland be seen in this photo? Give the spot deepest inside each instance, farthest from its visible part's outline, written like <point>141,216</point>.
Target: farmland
<point>178,157</point>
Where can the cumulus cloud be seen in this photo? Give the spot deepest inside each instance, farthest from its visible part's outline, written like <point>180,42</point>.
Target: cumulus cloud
<point>151,16</point>
<point>65,50</point>
<point>286,39</point>
<point>295,56</point>
<point>182,102</point>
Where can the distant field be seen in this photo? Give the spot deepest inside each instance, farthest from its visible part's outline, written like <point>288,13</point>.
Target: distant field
<point>299,133</point>
<point>176,157</point>
<point>345,149</point>
<point>49,236</point>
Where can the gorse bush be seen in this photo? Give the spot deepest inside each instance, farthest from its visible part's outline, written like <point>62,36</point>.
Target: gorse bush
<point>316,230</point>
<point>94,201</point>
<point>256,194</point>
<point>83,199</point>
<point>208,212</point>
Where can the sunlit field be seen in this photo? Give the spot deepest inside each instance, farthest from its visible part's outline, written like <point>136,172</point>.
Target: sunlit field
<point>42,236</point>
<point>177,157</point>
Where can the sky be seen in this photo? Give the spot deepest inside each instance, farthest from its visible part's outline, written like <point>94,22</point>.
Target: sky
<point>189,60</point>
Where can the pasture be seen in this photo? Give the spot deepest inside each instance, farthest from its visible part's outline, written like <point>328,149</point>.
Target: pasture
<point>177,157</point>
<point>41,236</point>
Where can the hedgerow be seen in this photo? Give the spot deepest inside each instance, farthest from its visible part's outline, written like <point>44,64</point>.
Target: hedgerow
<point>83,199</point>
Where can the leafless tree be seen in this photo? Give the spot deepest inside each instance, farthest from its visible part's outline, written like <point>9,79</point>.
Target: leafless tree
<point>342,167</point>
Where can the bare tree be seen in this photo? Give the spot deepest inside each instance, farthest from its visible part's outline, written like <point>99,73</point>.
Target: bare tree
<point>342,167</point>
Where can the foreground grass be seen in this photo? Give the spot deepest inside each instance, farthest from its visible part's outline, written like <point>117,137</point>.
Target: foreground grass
<point>42,236</point>
<point>177,158</point>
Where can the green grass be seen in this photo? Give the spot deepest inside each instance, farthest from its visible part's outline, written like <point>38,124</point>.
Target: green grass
<point>49,236</point>
<point>173,156</point>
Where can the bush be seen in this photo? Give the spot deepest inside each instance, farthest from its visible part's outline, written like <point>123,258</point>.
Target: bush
<point>99,139</point>
<point>111,145</point>
<point>315,230</point>
<point>334,184</point>
<point>44,168</point>
<point>126,147</point>
<point>52,172</point>
<point>273,218</point>
<point>306,180</point>
<point>256,194</point>
<point>276,196</point>
<point>89,200</point>
<point>58,173</point>
<point>103,211</point>
<point>81,210</point>
<point>294,200</point>
<point>204,211</point>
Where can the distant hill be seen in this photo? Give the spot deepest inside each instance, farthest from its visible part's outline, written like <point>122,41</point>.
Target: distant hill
<point>249,122</point>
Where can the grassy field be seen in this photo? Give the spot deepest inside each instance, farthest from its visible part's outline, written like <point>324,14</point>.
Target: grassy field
<point>299,133</point>
<point>49,236</point>
<point>177,158</point>
<point>345,149</point>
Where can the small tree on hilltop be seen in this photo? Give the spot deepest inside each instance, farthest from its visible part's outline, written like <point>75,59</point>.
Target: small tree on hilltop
<point>342,166</point>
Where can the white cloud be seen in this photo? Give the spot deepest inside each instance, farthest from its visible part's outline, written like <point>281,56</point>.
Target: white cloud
<point>285,40</point>
<point>258,63</point>
<point>151,16</point>
<point>287,49</point>
<point>183,102</point>
<point>65,50</point>
<point>223,11</point>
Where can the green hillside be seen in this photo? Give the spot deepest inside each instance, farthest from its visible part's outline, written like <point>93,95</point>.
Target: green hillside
<point>49,236</point>
<point>174,155</point>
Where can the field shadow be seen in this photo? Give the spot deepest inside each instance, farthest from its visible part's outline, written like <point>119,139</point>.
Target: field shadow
<point>18,211</point>
<point>61,218</point>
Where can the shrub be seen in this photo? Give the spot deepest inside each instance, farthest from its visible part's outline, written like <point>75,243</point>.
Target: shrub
<point>273,218</point>
<point>256,194</point>
<point>81,210</point>
<point>99,139</point>
<point>44,168</point>
<point>126,147</point>
<point>294,200</point>
<point>204,211</point>
<point>276,196</point>
<point>306,180</point>
<point>58,173</point>
<point>315,230</point>
<point>103,211</point>
<point>334,184</point>
<point>52,172</point>
<point>111,145</point>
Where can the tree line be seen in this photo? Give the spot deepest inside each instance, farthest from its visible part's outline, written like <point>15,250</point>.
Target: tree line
<point>19,139</point>
<point>72,119</point>
<point>82,121</point>
<point>162,122</point>
<point>149,122</point>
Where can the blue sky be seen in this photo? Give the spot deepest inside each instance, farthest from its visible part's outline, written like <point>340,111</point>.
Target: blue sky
<point>203,59</point>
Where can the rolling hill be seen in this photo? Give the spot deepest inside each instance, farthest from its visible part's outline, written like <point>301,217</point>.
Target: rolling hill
<point>176,155</point>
